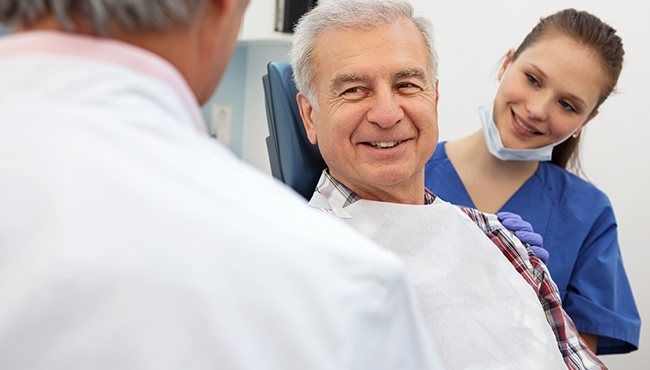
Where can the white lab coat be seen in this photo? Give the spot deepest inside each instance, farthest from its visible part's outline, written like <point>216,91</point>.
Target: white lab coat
<point>130,240</point>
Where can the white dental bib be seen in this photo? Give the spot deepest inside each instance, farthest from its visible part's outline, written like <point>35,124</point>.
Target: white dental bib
<point>479,310</point>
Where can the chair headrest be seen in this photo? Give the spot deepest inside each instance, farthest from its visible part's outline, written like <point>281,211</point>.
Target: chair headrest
<point>294,160</point>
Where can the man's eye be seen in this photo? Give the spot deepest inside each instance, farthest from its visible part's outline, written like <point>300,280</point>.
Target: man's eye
<point>352,90</point>
<point>532,79</point>
<point>408,88</point>
<point>567,106</point>
<point>354,93</point>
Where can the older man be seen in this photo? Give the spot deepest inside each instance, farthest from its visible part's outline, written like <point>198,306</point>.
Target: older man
<point>369,94</point>
<point>131,240</point>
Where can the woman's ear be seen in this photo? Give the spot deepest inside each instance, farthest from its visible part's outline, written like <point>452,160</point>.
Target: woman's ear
<point>591,116</point>
<point>507,59</point>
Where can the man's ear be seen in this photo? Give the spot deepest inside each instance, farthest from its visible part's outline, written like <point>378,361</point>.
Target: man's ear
<point>226,7</point>
<point>306,113</point>
<point>437,93</point>
<point>507,59</point>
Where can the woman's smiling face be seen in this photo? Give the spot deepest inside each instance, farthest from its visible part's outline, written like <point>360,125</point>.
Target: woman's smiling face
<point>548,93</point>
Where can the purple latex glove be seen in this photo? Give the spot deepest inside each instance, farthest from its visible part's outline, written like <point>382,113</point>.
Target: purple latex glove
<point>524,231</point>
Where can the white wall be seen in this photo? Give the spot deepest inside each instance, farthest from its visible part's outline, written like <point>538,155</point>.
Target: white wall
<point>471,37</point>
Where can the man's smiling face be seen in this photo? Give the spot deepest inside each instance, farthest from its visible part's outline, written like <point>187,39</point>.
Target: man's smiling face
<point>376,116</point>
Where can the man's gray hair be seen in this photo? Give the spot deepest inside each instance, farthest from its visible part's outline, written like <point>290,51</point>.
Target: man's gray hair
<point>101,15</point>
<point>348,14</point>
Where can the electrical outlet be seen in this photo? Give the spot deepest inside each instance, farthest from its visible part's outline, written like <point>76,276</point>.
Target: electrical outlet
<point>220,122</point>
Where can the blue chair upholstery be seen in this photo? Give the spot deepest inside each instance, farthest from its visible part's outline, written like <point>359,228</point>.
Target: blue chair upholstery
<point>294,160</point>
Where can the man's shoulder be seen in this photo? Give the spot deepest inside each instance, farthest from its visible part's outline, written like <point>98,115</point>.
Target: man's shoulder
<point>266,217</point>
<point>485,221</point>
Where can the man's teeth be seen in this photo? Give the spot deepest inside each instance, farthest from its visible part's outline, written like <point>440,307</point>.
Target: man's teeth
<point>524,126</point>
<point>384,144</point>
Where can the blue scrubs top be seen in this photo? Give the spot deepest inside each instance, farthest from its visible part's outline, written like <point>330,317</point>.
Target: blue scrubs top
<point>579,229</point>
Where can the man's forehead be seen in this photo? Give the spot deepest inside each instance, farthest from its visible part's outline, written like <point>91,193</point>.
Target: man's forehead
<point>342,54</point>
<point>347,38</point>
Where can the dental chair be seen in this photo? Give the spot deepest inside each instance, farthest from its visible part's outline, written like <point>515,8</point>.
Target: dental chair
<point>294,160</point>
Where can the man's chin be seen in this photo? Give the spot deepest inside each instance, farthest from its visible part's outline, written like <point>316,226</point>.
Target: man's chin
<point>384,180</point>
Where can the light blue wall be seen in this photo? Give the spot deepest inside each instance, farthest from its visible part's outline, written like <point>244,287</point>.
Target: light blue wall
<point>4,30</point>
<point>231,92</point>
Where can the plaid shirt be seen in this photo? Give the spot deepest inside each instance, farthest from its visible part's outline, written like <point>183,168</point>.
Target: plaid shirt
<point>574,351</point>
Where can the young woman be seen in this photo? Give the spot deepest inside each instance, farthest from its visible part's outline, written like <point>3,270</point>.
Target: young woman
<point>549,89</point>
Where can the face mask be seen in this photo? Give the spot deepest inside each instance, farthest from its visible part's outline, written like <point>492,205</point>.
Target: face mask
<point>495,145</point>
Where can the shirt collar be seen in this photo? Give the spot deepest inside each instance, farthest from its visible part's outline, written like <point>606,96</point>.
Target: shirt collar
<point>341,196</point>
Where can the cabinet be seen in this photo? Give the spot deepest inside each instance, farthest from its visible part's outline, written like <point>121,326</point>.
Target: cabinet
<point>259,23</point>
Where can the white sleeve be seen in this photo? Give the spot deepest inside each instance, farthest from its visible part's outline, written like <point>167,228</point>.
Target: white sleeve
<point>395,337</point>
<point>105,323</point>
<point>87,318</point>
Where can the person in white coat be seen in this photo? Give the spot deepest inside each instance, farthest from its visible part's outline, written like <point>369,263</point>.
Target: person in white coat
<point>129,239</point>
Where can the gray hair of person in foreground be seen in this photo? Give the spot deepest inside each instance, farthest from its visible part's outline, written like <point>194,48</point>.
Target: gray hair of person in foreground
<point>353,15</point>
<point>102,15</point>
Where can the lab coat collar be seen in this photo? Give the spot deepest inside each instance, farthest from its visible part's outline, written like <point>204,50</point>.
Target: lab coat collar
<point>108,51</point>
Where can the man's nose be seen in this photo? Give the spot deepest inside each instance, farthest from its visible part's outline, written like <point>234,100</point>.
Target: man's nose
<point>386,110</point>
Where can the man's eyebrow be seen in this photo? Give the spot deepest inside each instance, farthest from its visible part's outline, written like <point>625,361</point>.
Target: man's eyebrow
<point>339,80</point>
<point>411,73</point>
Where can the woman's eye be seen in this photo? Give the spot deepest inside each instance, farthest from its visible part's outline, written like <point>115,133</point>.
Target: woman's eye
<point>532,79</point>
<point>567,106</point>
